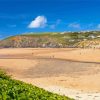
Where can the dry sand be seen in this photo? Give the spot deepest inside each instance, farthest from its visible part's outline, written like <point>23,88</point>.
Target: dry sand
<point>72,72</point>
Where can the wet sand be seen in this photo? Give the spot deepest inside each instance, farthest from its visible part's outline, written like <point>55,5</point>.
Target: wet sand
<point>73,70</point>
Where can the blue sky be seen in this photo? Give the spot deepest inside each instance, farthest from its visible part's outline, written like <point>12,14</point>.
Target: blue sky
<point>20,16</point>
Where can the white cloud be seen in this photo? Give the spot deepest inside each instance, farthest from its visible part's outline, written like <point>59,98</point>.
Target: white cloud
<point>53,26</point>
<point>38,22</point>
<point>74,25</point>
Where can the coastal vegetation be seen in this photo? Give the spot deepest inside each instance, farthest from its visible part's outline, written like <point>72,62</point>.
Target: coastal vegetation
<point>53,40</point>
<point>11,89</point>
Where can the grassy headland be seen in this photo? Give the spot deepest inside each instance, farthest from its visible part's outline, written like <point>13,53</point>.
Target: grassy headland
<point>53,40</point>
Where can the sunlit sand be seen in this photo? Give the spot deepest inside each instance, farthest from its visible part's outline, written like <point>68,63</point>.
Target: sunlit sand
<point>73,70</point>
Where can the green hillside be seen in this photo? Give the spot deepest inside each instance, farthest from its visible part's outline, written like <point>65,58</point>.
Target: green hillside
<point>51,39</point>
<point>16,90</point>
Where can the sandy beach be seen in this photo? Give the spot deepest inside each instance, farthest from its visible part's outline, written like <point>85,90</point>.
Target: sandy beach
<point>73,72</point>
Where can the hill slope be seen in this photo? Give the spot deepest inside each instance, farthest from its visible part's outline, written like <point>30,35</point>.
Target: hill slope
<point>52,40</point>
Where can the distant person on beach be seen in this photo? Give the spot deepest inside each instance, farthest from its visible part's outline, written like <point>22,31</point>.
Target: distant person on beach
<point>53,56</point>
